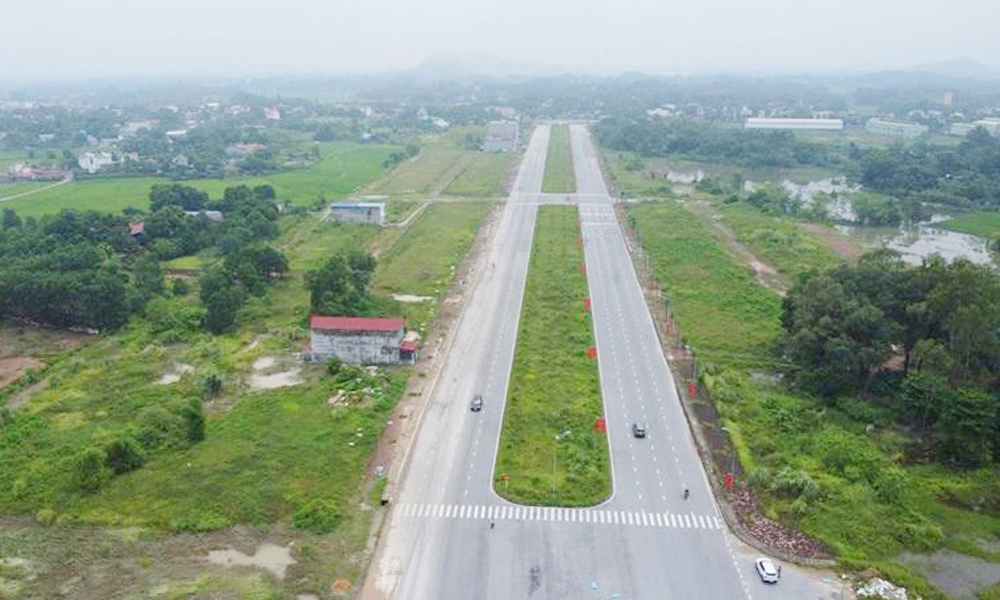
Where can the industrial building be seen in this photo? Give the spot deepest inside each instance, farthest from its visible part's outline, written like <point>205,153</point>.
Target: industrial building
<point>501,136</point>
<point>795,124</point>
<point>992,125</point>
<point>359,340</point>
<point>895,128</point>
<point>358,212</point>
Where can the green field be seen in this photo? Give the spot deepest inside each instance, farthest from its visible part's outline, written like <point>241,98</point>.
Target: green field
<point>342,168</point>
<point>422,262</point>
<point>484,176</point>
<point>12,189</point>
<point>441,159</point>
<point>985,225</point>
<point>793,448</point>
<point>719,306</point>
<point>777,241</point>
<point>554,387</point>
<point>559,175</point>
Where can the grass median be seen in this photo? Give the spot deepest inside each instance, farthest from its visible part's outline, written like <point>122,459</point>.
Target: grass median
<point>559,175</point>
<point>554,387</point>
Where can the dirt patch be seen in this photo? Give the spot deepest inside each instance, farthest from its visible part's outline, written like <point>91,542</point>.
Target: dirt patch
<point>266,376</point>
<point>12,369</point>
<point>32,340</point>
<point>958,575</point>
<point>275,559</point>
<point>765,274</point>
<point>842,245</point>
<point>408,298</point>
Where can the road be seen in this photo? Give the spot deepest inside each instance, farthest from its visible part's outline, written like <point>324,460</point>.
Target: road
<point>450,537</point>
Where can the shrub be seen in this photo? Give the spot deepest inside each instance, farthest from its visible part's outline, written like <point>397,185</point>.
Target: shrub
<point>159,428</point>
<point>124,455</point>
<point>89,470</point>
<point>194,419</point>
<point>333,366</point>
<point>794,483</point>
<point>180,288</point>
<point>213,385</point>
<point>317,516</point>
<point>46,516</point>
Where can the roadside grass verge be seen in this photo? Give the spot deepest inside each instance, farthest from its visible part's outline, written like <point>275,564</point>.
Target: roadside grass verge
<point>342,168</point>
<point>554,387</point>
<point>484,176</point>
<point>816,466</point>
<point>986,224</point>
<point>423,261</point>
<point>559,175</point>
<point>721,310</point>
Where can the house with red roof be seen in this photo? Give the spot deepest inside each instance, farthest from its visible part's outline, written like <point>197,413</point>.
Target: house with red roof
<point>359,340</point>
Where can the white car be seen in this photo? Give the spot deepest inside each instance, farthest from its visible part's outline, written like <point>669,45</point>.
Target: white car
<point>766,569</point>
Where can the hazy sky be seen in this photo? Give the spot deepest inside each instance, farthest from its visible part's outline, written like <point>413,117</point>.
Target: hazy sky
<point>54,39</point>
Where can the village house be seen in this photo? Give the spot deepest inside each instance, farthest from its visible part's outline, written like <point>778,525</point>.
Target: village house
<point>359,340</point>
<point>358,212</point>
<point>93,162</point>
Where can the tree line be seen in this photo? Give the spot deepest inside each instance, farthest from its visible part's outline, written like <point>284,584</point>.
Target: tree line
<point>922,342</point>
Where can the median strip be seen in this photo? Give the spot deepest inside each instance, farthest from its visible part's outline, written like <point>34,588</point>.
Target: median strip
<point>551,453</point>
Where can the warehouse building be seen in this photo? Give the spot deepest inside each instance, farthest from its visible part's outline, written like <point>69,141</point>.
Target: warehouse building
<point>795,124</point>
<point>359,340</point>
<point>358,212</point>
<point>895,128</point>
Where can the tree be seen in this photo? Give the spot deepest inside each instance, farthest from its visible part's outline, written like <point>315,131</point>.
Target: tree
<point>194,419</point>
<point>966,429</point>
<point>10,219</point>
<point>181,196</point>
<point>222,307</point>
<point>213,385</point>
<point>90,471</point>
<point>339,287</point>
<point>124,455</point>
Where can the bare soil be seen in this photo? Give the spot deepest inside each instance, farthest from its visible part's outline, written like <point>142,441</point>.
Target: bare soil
<point>11,369</point>
<point>842,245</point>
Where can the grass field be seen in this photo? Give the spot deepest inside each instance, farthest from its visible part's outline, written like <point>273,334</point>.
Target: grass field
<point>483,177</point>
<point>559,175</point>
<point>422,262</point>
<point>985,225</point>
<point>868,511</point>
<point>777,241</point>
<point>719,306</point>
<point>12,189</point>
<point>441,159</point>
<point>554,387</point>
<point>342,168</point>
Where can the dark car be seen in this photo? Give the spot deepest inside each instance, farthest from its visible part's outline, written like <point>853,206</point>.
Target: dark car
<point>477,403</point>
<point>639,432</point>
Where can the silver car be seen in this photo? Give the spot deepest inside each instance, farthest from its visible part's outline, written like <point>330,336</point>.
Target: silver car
<point>477,403</point>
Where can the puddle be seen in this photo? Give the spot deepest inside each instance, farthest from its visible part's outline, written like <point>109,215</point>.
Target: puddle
<point>264,362</point>
<point>410,298</point>
<point>838,204</point>
<point>174,375</point>
<point>915,244</point>
<point>275,559</point>
<point>684,177</point>
<point>958,575</point>
<point>275,380</point>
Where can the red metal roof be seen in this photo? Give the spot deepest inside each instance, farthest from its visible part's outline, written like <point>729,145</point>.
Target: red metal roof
<point>324,323</point>
<point>137,228</point>
<point>408,347</point>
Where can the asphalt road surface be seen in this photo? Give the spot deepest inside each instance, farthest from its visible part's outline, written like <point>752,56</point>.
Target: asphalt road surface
<point>450,537</point>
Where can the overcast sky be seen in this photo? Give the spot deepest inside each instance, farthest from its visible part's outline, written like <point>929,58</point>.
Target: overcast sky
<point>56,39</point>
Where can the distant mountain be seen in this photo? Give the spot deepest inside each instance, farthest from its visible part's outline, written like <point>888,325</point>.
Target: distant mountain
<point>959,68</point>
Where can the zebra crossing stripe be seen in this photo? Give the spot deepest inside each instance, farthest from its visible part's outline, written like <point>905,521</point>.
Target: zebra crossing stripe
<point>562,515</point>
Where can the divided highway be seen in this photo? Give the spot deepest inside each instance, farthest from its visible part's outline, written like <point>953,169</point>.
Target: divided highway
<point>449,537</point>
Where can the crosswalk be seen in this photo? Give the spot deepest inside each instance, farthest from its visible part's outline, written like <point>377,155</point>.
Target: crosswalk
<point>565,515</point>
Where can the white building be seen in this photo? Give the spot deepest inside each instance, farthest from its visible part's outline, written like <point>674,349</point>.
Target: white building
<point>93,162</point>
<point>359,340</point>
<point>358,212</point>
<point>895,128</point>
<point>991,125</point>
<point>795,124</point>
<point>501,136</point>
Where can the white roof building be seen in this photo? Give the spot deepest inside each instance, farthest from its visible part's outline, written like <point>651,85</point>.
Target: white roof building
<point>93,162</point>
<point>895,128</point>
<point>795,124</point>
